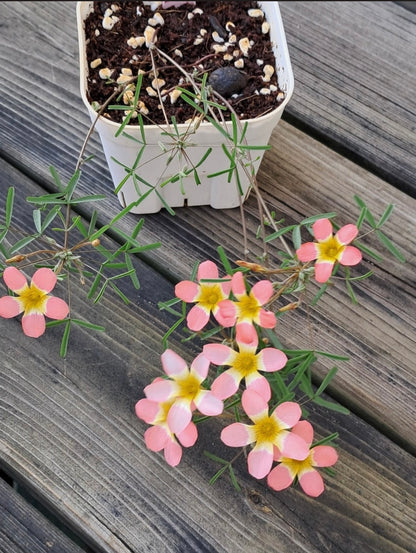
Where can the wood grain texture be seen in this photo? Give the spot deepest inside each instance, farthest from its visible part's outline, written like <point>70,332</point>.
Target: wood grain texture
<point>24,529</point>
<point>354,81</point>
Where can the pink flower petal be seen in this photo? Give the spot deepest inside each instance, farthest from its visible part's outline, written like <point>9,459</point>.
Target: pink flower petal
<point>161,391</point>
<point>208,404</point>
<point>324,456</point>
<point>260,385</point>
<point>197,318</point>
<point>246,334</point>
<point>219,354</point>
<point>45,279</point>
<point>288,413</point>
<point>279,478</point>
<point>323,271</point>
<point>179,416</point>
<point>156,438</point>
<point>207,270</point>
<point>260,461</point>
<point>187,290</point>
<point>253,403</point>
<point>271,359</point>
<point>147,410</point>
<point>304,429</point>
<point>267,319</point>
<point>311,483</point>
<point>14,279</point>
<point>200,367</point>
<point>56,308</point>
<point>33,324</point>
<point>347,234</point>
<point>351,256</point>
<point>9,307</point>
<point>307,252</point>
<point>225,385</point>
<point>226,313</point>
<point>189,436</point>
<point>322,229</point>
<point>173,364</point>
<point>238,285</point>
<point>173,453</point>
<point>293,446</point>
<point>262,291</point>
<point>237,435</point>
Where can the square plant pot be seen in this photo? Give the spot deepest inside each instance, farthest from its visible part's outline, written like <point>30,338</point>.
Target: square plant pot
<point>158,184</point>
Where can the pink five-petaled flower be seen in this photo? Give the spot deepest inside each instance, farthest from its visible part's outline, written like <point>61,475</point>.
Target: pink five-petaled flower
<point>206,295</point>
<point>330,248</point>
<point>245,363</point>
<point>183,389</point>
<point>159,436</point>
<point>248,307</point>
<point>268,432</point>
<point>309,478</point>
<point>32,300</point>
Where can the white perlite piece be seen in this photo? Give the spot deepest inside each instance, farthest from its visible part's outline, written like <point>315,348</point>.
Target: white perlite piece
<point>217,37</point>
<point>136,41</point>
<point>239,64</point>
<point>150,35</point>
<point>255,13</point>
<point>109,22</point>
<point>177,52</point>
<point>244,45</point>
<point>158,83</point>
<point>268,71</point>
<point>126,71</point>
<point>174,95</point>
<point>157,19</point>
<point>151,91</point>
<point>265,27</point>
<point>95,63</point>
<point>105,73</point>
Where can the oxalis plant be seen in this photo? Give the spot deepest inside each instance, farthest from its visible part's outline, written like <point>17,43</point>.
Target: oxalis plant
<point>243,373</point>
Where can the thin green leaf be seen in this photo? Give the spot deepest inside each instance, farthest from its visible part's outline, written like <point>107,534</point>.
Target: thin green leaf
<point>331,405</point>
<point>37,220</point>
<point>314,218</point>
<point>388,211</point>
<point>279,232</point>
<point>325,382</point>
<point>390,246</point>
<point>9,206</point>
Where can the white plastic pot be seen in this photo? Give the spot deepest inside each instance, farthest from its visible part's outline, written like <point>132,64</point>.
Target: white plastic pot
<point>214,191</point>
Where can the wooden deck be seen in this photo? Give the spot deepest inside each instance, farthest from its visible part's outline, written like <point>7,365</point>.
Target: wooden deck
<point>69,438</point>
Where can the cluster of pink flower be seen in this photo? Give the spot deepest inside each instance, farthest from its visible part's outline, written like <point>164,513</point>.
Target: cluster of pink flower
<point>170,402</point>
<point>279,436</point>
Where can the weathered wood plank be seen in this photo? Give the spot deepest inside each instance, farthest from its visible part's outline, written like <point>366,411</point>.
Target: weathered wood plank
<point>299,176</point>
<point>23,529</point>
<point>68,430</point>
<point>354,81</point>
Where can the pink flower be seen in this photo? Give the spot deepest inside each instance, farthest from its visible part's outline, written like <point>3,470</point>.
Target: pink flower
<point>329,248</point>
<point>206,295</point>
<point>310,480</point>
<point>268,432</point>
<point>183,390</point>
<point>159,436</point>
<point>32,300</point>
<point>248,307</point>
<point>245,363</point>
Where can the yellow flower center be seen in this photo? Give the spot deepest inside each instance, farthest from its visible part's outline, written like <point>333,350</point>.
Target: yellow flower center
<point>295,467</point>
<point>266,430</point>
<point>33,299</point>
<point>210,295</point>
<point>330,250</point>
<point>189,387</point>
<point>245,363</point>
<point>249,307</point>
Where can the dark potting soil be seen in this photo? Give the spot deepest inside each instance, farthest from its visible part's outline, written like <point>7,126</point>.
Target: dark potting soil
<point>201,37</point>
